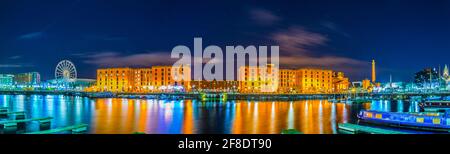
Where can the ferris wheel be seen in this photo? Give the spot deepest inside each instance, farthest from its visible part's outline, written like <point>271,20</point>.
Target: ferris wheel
<point>65,70</point>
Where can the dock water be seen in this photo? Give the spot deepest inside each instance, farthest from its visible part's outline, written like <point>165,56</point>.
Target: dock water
<point>348,128</point>
<point>14,122</point>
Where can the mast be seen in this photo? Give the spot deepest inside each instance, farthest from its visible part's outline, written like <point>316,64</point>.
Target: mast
<point>431,75</point>
<point>439,71</point>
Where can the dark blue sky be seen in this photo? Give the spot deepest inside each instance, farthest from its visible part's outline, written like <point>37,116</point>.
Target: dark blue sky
<point>403,36</point>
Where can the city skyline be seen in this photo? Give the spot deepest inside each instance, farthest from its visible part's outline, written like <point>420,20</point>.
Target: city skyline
<point>310,34</point>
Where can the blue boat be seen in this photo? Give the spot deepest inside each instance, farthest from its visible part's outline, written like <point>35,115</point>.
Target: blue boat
<point>433,121</point>
<point>433,98</point>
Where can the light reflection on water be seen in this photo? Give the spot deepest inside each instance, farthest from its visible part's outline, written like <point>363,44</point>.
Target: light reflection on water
<point>124,116</point>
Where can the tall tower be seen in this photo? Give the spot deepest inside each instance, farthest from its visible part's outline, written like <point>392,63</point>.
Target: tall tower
<point>374,75</point>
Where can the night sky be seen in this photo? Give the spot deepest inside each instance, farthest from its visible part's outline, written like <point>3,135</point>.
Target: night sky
<point>402,36</point>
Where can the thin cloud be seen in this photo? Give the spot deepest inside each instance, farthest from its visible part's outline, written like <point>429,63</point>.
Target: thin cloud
<point>334,28</point>
<point>33,35</point>
<point>297,40</point>
<point>321,61</point>
<point>95,54</point>
<point>78,54</point>
<point>15,57</point>
<point>14,65</point>
<point>297,50</point>
<point>105,38</point>
<point>263,17</point>
<point>115,59</point>
<point>103,55</point>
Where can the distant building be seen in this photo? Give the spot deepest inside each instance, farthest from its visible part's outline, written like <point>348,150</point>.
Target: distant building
<point>71,84</point>
<point>305,80</point>
<point>367,84</point>
<point>251,79</point>
<point>6,80</point>
<point>312,81</point>
<point>31,78</point>
<point>427,78</point>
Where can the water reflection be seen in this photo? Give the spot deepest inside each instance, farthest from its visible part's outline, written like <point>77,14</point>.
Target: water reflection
<point>124,116</point>
<point>396,106</point>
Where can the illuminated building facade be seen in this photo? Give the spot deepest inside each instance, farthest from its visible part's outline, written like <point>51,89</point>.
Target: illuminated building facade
<point>214,86</point>
<point>446,74</point>
<point>156,78</point>
<point>287,81</point>
<point>72,84</point>
<point>315,80</point>
<point>30,78</point>
<point>254,79</point>
<point>340,82</point>
<point>367,84</point>
<point>124,79</point>
<point>294,81</point>
<point>142,79</point>
<point>115,80</point>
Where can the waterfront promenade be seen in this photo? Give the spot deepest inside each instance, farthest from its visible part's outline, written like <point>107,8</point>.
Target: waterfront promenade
<point>230,96</point>
<point>182,95</point>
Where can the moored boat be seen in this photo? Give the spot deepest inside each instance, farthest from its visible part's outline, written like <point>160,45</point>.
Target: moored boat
<point>213,97</point>
<point>434,121</point>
